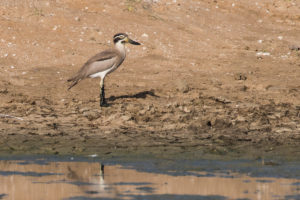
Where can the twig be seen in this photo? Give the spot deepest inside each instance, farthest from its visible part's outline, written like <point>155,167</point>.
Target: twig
<point>9,116</point>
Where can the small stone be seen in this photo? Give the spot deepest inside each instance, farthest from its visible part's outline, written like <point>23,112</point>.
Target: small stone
<point>240,76</point>
<point>294,47</point>
<point>126,118</point>
<point>169,126</point>
<point>240,118</point>
<point>91,115</point>
<point>93,155</point>
<point>85,109</point>
<point>186,109</point>
<point>145,35</point>
<point>260,53</point>
<point>142,112</point>
<point>283,130</point>
<point>182,86</point>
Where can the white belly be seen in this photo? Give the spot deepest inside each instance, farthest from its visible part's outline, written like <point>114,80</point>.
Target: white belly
<point>101,74</point>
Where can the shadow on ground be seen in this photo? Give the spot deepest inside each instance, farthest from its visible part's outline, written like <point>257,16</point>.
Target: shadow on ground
<point>139,95</point>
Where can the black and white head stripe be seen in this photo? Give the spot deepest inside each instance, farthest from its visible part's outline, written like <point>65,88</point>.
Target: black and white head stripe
<point>119,36</point>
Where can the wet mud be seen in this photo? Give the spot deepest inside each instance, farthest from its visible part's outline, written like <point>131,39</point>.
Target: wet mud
<point>210,124</point>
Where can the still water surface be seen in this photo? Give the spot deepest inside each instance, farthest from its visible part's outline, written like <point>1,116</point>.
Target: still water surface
<point>76,179</point>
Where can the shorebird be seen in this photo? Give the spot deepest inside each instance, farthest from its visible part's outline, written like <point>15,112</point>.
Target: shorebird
<point>104,63</point>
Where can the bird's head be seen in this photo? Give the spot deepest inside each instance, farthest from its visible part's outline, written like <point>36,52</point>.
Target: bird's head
<point>123,38</point>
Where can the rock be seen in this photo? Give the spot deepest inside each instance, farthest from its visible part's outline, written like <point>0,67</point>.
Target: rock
<point>240,118</point>
<point>91,115</point>
<point>166,117</point>
<point>186,109</point>
<point>85,109</point>
<point>169,126</point>
<point>4,91</point>
<point>294,47</point>
<point>283,130</point>
<point>142,112</point>
<point>240,76</point>
<point>182,86</point>
<point>125,118</point>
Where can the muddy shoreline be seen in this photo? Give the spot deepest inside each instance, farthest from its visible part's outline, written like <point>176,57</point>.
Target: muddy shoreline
<point>64,146</point>
<point>210,126</point>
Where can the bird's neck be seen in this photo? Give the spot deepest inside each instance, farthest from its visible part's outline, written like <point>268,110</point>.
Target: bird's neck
<point>121,48</point>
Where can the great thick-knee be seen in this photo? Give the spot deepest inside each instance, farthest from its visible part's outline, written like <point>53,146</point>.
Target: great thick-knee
<point>104,63</point>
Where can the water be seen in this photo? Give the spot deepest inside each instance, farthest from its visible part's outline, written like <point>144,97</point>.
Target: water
<point>74,178</point>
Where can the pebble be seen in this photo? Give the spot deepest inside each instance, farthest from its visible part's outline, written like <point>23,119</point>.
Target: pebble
<point>260,53</point>
<point>93,155</point>
<point>125,118</point>
<point>294,47</point>
<point>182,86</point>
<point>240,76</point>
<point>84,109</point>
<point>186,109</point>
<point>282,130</point>
<point>145,35</point>
<point>240,118</point>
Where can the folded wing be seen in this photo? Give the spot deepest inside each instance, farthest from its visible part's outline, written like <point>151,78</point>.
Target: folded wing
<point>98,63</point>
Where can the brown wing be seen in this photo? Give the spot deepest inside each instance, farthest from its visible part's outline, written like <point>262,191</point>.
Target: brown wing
<point>98,63</point>
<point>104,55</point>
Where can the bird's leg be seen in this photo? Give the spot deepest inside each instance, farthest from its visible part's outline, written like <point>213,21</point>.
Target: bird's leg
<point>103,102</point>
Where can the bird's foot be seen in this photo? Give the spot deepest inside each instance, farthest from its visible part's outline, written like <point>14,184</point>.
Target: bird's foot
<point>103,104</point>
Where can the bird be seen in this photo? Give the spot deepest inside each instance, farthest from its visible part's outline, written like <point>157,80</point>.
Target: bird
<point>104,63</point>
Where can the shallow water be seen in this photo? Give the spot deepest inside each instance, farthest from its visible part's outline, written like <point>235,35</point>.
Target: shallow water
<point>81,178</point>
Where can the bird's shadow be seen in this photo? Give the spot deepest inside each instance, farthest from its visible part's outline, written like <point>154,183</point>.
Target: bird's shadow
<point>139,95</point>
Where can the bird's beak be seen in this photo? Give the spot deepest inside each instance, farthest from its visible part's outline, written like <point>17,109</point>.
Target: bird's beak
<point>132,42</point>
